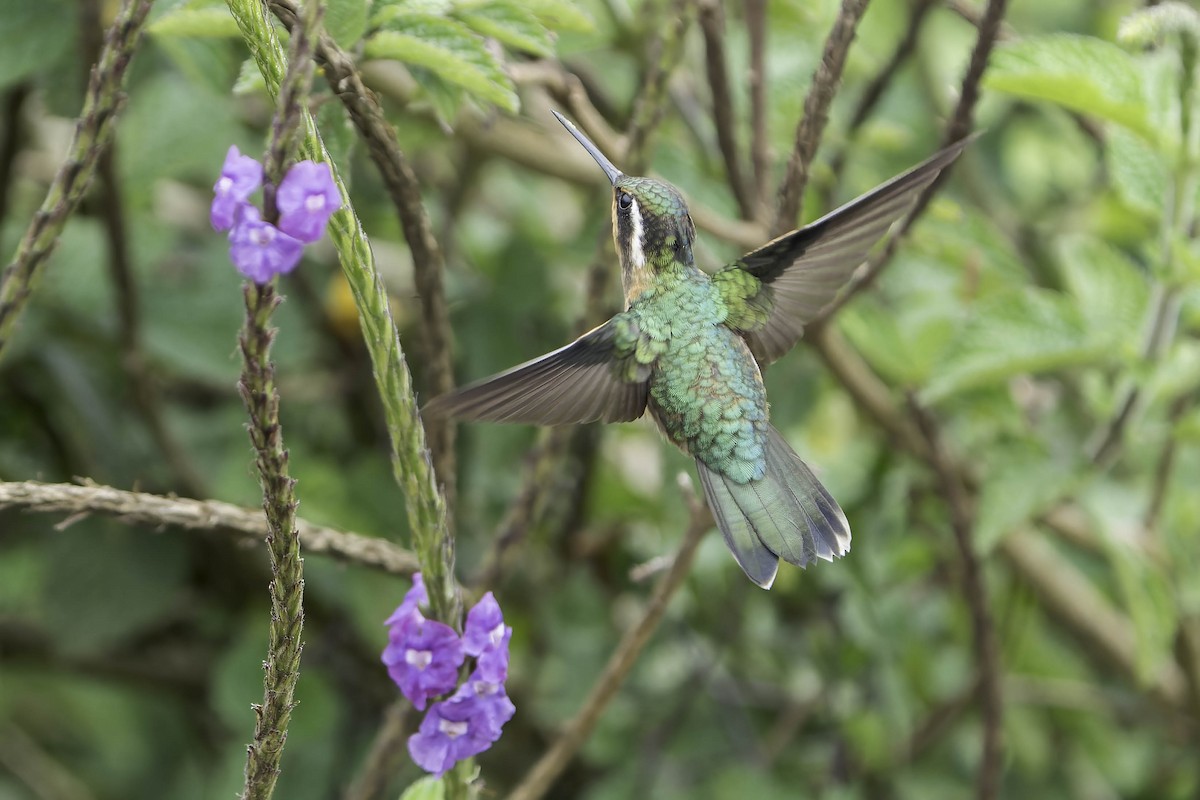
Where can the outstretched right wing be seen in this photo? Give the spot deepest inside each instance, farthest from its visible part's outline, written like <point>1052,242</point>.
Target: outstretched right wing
<point>774,291</point>
<point>593,379</point>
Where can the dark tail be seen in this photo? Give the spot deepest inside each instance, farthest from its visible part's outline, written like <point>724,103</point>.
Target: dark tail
<point>785,514</point>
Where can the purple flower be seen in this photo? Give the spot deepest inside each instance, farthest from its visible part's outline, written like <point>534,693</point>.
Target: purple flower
<point>240,176</point>
<point>492,665</point>
<point>423,657</point>
<point>458,728</point>
<point>486,637</point>
<point>258,249</point>
<point>410,608</point>
<point>485,627</point>
<point>306,199</point>
<point>497,708</point>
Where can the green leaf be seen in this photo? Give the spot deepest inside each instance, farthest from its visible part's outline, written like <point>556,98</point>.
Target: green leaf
<point>1110,289</point>
<point>177,129</point>
<point>449,50</point>
<point>337,132</point>
<point>877,335</point>
<point>249,80</point>
<point>427,788</point>
<point>104,583</point>
<point>561,15</point>
<point>33,36</point>
<point>1144,586</point>
<point>446,98</point>
<point>511,24</point>
<point>1019,486</point>
<point>1138,171</point>
<point>197,22</point>
<point>1079,72</point>
<point>1034,330</point>
<point>346,21</point>
<point>1161,81</point>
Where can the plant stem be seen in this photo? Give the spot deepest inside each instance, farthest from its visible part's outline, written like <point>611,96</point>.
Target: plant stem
<point>411,464</point>
<point>156,512</point>
<point>811,128</point>
<point>257,387</point>
<point>282,666</point>
<point>550,766</point>
<point>410,456</point>
<point>93,132</point>
<point>429,263</point>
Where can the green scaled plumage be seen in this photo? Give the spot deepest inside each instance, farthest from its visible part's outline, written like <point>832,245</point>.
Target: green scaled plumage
<point>688,347</point>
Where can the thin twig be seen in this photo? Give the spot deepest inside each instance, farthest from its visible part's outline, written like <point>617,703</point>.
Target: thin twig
<point>983,632</point>
<point>1071,598</point>
<point>568,89</point>
<point>538,480</point>
<point>411,464</point>
<point>760,156</point>
<point>405,191</point>
<point>1165,464</point>
<point>144,391</point>
<point>30,764</point>
<point>958,128</point>
<point>203,516</point>
<point>541,777</point>
<point>972,15</point>
<point>385,757</point>
<point>864,386</point>
<point>257,387</point>
<point>1187,654</point>
<point>10,140</point>
<point>93,132</point>
<point>932,727</point>
<point>650,105</point>
<point>1161,322</point>
<point>712,25</point>
<point>811,127</point>
<point>1177,223</point>
<point>874,92</point>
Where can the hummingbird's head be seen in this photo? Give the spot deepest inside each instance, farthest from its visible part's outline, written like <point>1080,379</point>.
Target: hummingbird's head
<point>651,224</point>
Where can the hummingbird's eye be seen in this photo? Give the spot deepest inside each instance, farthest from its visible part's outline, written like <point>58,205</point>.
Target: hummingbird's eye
<point>624,200</point>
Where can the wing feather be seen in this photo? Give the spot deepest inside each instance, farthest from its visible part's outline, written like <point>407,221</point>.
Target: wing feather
<point>581,382</point>
<point>802,271</point>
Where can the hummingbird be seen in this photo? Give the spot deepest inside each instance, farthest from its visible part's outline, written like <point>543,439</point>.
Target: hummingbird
<point>689,347</point>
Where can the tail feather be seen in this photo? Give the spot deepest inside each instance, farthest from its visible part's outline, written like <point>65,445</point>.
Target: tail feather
<point>785,514</point>
<point>754,557</point>
<point>827,525</point>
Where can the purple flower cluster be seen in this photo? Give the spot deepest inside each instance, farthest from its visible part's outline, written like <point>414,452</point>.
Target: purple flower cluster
<point>306,199</point>
<point>423,657</point>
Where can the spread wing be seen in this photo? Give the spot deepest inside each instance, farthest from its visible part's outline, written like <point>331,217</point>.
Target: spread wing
<point>595,378</point>
<point>774,291</point>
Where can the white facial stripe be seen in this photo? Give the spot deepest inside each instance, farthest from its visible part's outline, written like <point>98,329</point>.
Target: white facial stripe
<point>637,254</point>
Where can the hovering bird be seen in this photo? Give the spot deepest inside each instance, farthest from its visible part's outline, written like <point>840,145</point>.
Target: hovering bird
<point>689,347</point>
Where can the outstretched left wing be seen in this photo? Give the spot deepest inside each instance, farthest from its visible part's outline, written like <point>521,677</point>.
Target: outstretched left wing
<point>593,379</point>
<point>774,291</point>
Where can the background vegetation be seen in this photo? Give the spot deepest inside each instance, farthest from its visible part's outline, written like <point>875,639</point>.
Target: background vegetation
<point>1006,407</point>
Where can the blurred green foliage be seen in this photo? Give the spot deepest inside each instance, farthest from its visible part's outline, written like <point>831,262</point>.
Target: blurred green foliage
<point>1019,311</point>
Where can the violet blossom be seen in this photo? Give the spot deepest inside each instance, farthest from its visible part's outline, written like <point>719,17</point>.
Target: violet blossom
<point>419,656</point>
<point>305,199</point>
<point>240,176</point>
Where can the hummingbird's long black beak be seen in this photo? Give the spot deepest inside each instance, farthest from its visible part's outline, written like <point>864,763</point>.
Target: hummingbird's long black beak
<point>612,172</point>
